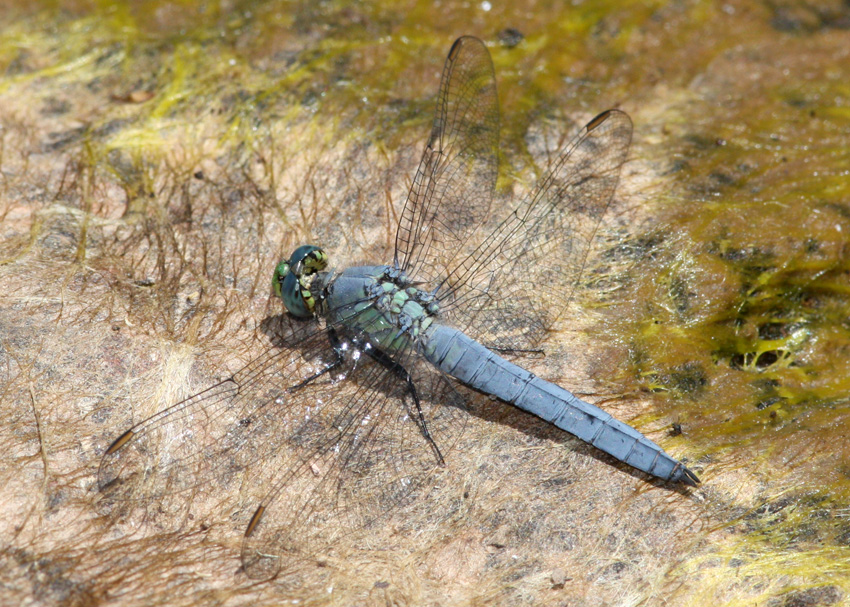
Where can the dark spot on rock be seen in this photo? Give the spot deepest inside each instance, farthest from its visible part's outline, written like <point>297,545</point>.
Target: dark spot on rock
<point>688,378</point>
<point>768,402</point>
<point>721,178</point>
<point>811,597</point>
<point>772,331</point>
<point>510,37</point>
<point>766,359</point>
<point>556,482</point>
<point>615,569</point>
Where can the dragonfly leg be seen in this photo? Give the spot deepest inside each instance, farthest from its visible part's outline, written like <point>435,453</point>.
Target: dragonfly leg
<point>384,360</point>
<point>517,351</point>
<point>335,343</point>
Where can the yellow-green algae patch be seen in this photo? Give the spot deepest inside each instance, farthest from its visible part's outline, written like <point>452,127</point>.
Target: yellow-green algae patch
<point>740,321</point>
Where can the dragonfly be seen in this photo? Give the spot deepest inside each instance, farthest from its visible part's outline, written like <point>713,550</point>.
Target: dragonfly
<point>368,384</point>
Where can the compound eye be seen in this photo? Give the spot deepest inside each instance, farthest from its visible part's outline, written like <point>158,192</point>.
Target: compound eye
<point>297,299</point>
<point>308,259</point>
<point>280,273</point>
<point>292,279</point>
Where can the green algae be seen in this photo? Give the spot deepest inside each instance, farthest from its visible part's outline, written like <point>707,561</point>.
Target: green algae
<point>759,384</point>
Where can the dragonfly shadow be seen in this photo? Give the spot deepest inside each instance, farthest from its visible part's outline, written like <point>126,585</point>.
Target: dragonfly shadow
<point>284,331</point>
<point>487,408</point>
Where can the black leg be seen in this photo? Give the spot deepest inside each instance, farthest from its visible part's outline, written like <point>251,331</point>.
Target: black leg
<point>332,336</point>
<point>385,361</point>
<point>536,352</point>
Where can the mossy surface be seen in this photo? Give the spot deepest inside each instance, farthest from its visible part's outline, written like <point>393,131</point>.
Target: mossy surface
<point>157,158</point>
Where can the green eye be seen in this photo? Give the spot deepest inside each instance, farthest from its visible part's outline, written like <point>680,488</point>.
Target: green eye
<point>293,277</point>
<point>280,273</point>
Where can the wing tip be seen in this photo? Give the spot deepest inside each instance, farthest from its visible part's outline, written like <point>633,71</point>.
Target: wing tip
<point>597,120</point>
<point>120,442</point>
<point>460,42</point>
<point>255,520</point>
<point>456,47</point>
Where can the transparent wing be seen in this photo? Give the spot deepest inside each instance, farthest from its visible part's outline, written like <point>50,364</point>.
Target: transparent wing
<point>451,193</point>
<point>211,436</point>
<point>329,438</point>
<point>361,454</point>
<point>519,279</point>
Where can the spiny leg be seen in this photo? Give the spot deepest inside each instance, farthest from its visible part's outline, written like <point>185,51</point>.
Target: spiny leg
<point>517,351</point>
<point>335,343</point>
<point>385,361</point>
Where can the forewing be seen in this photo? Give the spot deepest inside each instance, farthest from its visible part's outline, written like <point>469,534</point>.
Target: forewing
<point>451,193</point>
<point>362,454</point>
<point>517,283</point>
<point>207,439</point>
<point>326,429</point>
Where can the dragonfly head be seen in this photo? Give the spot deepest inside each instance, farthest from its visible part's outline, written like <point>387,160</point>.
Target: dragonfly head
<point>293,276</point>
